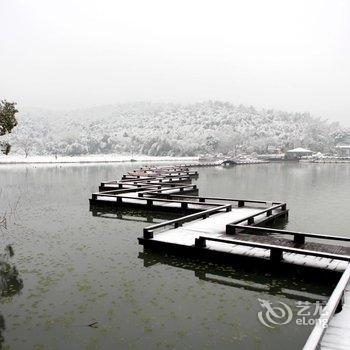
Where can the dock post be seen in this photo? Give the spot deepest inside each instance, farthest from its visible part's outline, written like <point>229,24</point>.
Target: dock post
<point>230,230</point>
<point>340,304</point>
<point>240,203</point>
<point>147,234</point>
<point>202,200</point>
<point>184,205</point>
<point>251,221</point>
<point>299,239</point>
<point>149,202</point>
<point>200,242</point>
<point>276,255</point>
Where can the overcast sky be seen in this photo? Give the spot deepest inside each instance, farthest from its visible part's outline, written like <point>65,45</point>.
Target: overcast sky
<point>291,55</point>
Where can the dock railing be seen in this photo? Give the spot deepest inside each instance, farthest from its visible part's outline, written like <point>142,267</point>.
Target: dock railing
<point>120,198</point>
<point>333,306</point>
<point>276,251</point>
<point>240,202</point>
<point>141,184</point>
<point>118,191</point>
<point>251,218</point>
<point>161,190</point>
<point>145,179</point>
<point>149,231</point>
<point>299,237</point>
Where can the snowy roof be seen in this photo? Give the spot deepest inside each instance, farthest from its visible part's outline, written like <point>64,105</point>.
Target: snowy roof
<point>300,150</point>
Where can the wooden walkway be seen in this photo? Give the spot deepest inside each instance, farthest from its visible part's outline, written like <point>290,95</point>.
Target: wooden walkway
<point>228,229</point>
<point>332,329</point>
<point>337,334</point>
<point>215,227</point>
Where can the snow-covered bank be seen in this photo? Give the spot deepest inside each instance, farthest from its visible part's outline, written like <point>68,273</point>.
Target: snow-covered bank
<point>100,158</point>
<point>326,160</point>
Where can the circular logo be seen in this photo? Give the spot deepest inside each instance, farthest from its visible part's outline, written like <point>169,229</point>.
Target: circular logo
<point>273,315</point>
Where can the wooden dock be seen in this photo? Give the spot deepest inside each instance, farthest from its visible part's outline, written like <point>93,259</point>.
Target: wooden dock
<point>229,229</point>
<point>337,334</point>
<point>224,234</point>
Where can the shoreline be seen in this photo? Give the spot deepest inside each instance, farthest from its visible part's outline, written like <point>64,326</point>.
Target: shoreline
<point>111,158</point>
<point>95,159</point>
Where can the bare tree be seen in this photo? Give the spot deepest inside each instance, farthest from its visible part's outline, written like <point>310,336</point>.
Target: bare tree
<point>25,144</point>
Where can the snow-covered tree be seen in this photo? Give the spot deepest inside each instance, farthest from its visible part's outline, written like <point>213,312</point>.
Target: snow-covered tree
<point>172,129</point>
<point>7,122</point>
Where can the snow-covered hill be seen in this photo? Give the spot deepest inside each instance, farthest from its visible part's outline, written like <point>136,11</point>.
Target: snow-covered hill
<point>169,130</point>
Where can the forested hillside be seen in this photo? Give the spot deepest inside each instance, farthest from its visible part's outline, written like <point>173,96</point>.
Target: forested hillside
<point>169,129</point>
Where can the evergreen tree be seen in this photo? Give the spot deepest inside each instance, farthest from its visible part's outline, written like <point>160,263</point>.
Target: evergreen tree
<point>7,122</point>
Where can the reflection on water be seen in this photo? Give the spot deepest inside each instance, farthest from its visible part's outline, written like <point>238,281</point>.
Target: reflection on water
<point>10,283</point>
<point>248,277</point>
<point>72,267</point>
<point>133,215</point>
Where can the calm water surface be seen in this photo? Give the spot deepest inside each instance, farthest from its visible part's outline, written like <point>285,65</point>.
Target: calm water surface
<point>66,268</point>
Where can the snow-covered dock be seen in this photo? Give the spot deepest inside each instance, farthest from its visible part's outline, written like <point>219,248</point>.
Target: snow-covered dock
<point>229,230</point>
<point>337,334</point>
<point>220,242</point>
<point>332,331</point>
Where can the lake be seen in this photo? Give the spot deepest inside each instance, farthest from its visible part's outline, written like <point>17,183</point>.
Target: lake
<point>63,269</point>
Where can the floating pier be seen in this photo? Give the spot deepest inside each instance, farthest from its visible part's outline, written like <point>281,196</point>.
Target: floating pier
<point>227,229</point>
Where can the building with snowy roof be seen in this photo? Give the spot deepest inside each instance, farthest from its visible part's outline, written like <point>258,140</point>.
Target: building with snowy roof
<point>298,153</point>
<point>343,151</point>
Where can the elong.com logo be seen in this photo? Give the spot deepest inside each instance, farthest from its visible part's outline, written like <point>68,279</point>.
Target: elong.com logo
<point>280,313</point>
